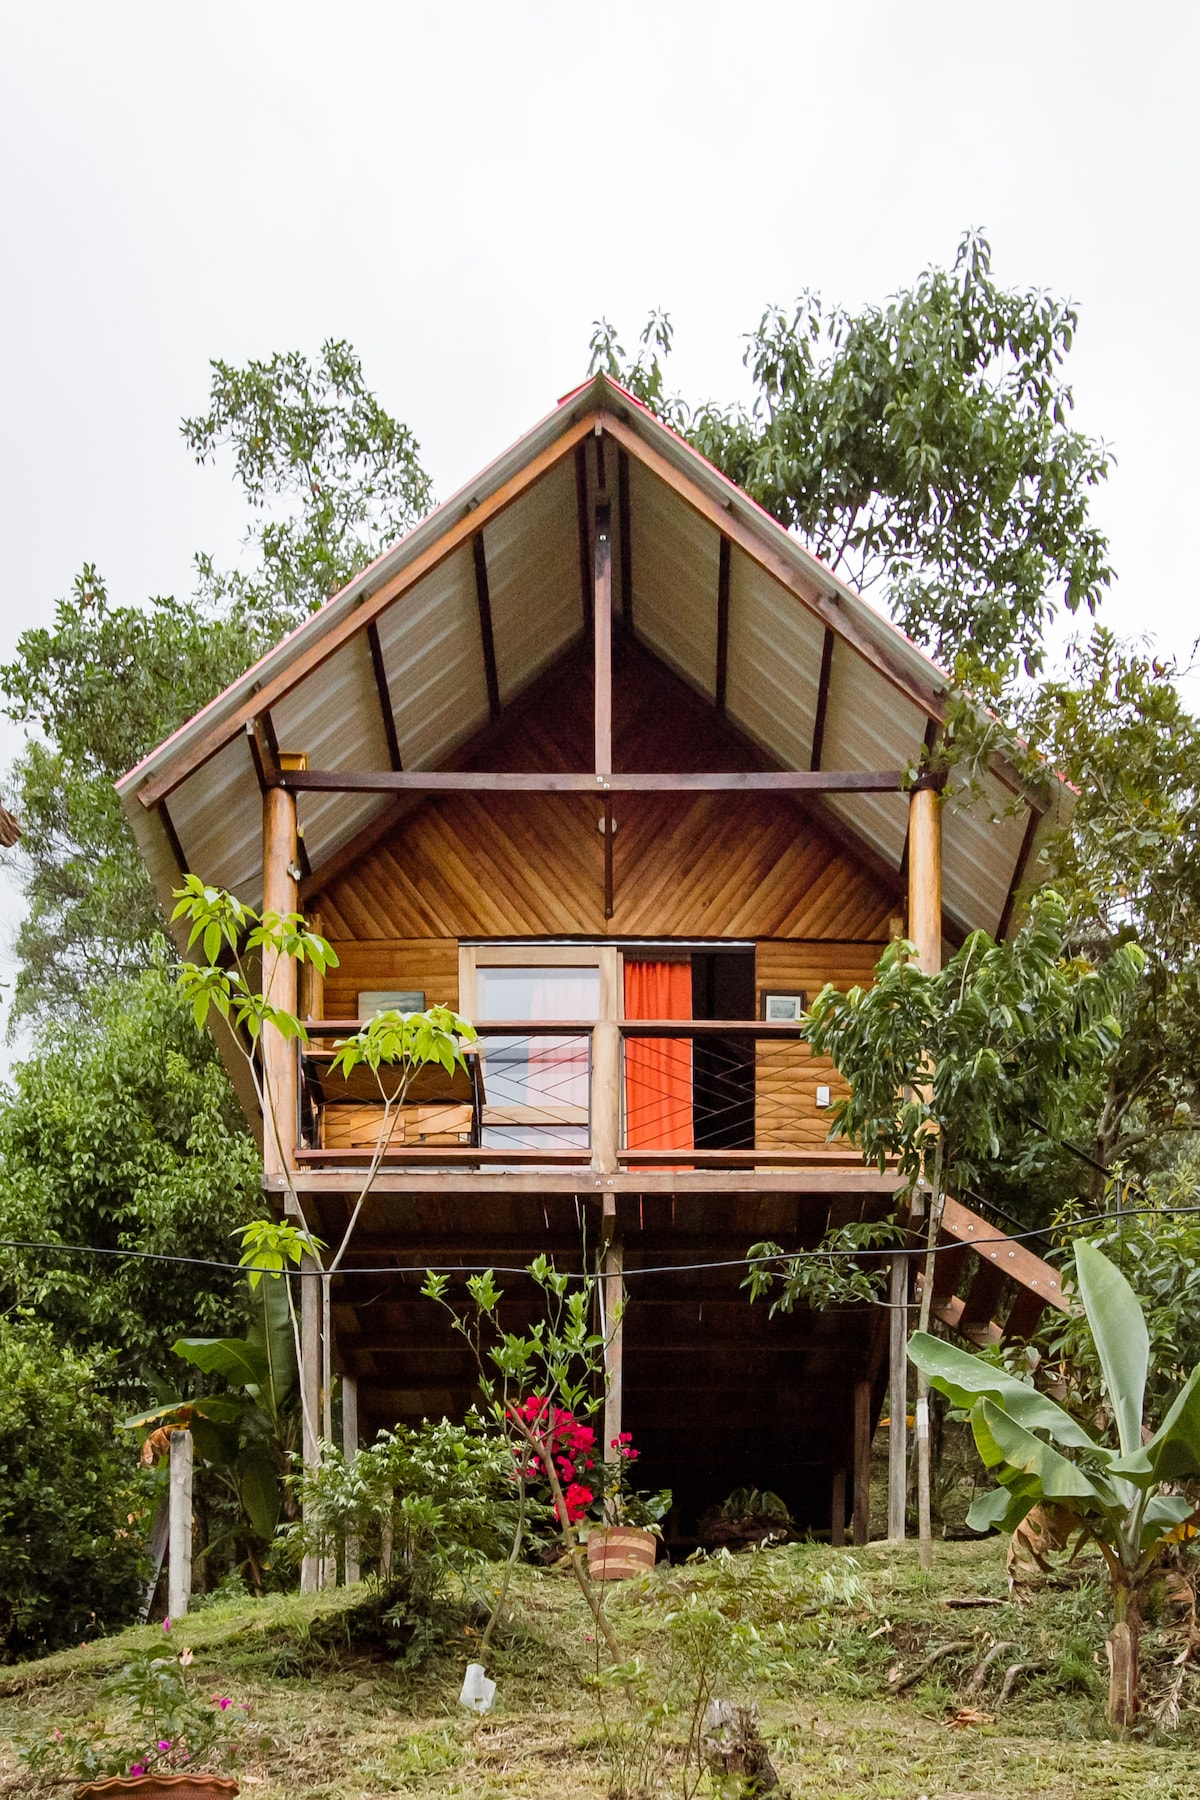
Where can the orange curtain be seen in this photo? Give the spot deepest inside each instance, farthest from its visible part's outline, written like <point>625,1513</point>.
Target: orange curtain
<point>658,1071</point>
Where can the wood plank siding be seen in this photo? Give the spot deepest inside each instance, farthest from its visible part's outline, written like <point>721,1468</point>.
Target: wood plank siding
<point>709,865</point>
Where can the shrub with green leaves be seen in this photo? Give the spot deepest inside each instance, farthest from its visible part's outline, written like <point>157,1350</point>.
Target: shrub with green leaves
<point>72,1524</point>
<point>428,1505</point>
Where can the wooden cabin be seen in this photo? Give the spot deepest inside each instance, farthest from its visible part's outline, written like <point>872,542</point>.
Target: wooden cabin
<point>602,757</point>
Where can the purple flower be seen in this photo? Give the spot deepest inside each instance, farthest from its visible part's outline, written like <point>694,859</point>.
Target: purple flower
<point>221,1700</point>
<point>166,1624</point>
<point>137,1768</point>
<point>164,1743</point>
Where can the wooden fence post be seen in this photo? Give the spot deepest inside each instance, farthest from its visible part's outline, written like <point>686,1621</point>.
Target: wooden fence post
<point>862,1462</point>
<point>310,1386</point>
<point>837,1509</point>
<point>179,1552</point>
<point>350,1447</point>
<point>898,1400</point>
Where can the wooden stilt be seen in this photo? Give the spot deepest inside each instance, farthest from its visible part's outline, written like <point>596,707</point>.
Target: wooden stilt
<point>837,1509</point>
<point>898,1398</point>
<point>606,1096</point>
<point>350,1448</point>
<point>179,1551</point>
<point>279,1060</point>
<point>925,931</point>
<point>614,1301</point>
<point>862,1461</point>
<point>310,1385</point>
<point>925,876</point>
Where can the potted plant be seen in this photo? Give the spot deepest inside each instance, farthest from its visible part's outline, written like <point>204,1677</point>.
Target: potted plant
<point>170,1744</point>
<point>625,1542</point>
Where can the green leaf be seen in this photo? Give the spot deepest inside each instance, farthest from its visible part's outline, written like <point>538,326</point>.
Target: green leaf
<point>1056,1476</point>
<point>964,1379</point>
<point>233,1359</point>
<point>1122,1341</point>
<point>258,1485</point>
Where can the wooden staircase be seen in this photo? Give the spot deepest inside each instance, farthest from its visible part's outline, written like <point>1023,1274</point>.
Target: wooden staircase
<point>1010,1286</point>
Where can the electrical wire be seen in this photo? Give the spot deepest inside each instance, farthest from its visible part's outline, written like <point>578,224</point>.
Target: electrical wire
<point>735,1262</point>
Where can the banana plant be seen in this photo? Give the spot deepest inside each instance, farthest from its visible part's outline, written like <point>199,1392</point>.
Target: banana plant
<point>247,1438</point>
<point>1121,1496</point>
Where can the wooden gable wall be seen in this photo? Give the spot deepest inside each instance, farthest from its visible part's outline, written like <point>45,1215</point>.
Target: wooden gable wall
<point>712,865</point>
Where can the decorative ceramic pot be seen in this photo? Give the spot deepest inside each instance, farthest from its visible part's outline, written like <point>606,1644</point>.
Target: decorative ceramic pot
<point>615,1552</point>
<point>159,1787</point>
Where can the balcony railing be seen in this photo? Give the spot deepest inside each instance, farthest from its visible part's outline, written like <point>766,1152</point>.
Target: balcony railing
<point>603,1096</point>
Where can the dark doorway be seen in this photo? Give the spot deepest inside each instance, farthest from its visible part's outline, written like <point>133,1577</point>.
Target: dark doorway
<point>723,1065</point>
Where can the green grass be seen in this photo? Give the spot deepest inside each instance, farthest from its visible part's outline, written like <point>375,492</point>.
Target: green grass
<point>829,1628</point>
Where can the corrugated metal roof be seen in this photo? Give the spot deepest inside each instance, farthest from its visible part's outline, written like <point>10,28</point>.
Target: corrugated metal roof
<point>319,690</point>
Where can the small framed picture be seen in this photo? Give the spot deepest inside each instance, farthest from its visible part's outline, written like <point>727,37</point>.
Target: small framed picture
<point>377,1000</point>
<point>783,1007</point>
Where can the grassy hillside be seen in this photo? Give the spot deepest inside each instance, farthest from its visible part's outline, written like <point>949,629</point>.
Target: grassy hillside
<point>815,1635</point>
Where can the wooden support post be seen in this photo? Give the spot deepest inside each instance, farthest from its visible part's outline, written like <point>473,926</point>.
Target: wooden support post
<point>898,1398</point>
<point>862,1461</point>
<point>606,1097</point>
<point>179,1551</point>
<point>310,1389</point>
<point>614,1302</point>
<point>925,876</point>
<point>281,892</point>
<point>350,1449</point>
<point>925,931</point>
<point>602,639</point>
<point>837,1509</point>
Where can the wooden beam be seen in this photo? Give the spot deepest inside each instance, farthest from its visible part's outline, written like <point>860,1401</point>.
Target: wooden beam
<point>897,1398</point>
<point>172,836</point>
<point>606,1097</point>
<point>614,1347</point>
<point>722,680</point>
<point>486,1185</point>
<point>602,640</point>
<point>818,736</point>
<point>925,876</point>
<point>484,599</point>
<point>626,538</point>
<point>189,757</point>
<point>310,1389</point>
<point>607,822</point>
<point>1018,874</point>
<point>385,698</point>
<point>582,527</point>
<point>279,1060</point>
<point>995,1247</point>
<point>837,1509</point>
<point>862,1462</point>
<point>350,1451</point>
<point>557,781</point>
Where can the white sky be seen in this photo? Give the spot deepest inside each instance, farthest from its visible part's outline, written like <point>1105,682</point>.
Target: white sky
<point>461,189</point>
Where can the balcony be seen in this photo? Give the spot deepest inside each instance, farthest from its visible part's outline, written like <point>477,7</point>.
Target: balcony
<point>568,1104</point>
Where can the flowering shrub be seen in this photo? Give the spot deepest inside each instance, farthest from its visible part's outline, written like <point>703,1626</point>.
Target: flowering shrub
<point>558,1434</point>
<point>168,1728</point>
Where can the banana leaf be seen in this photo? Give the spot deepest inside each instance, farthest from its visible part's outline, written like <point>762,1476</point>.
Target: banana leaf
<point>234,1359</point>
<point>965,1379</point>
<point>1121,1339</point>
<point>261,1494</point>
<point>1001,1441</point>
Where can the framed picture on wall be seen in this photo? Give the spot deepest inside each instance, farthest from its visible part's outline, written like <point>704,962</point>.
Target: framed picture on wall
<point>783,1006</point>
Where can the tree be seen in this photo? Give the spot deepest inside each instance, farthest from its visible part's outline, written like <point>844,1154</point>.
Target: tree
<point>332,478</point>
<point>973,1076</point>
<point>1115,725</point>
<point>1121,1497</point>
<point>70,1540</point>
<point>922,448</point>
<point>994,1059</point>
<point>344,476</point>
<point>122,1133</point>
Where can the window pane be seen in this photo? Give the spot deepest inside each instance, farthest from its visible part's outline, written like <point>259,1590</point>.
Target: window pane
<point>538,993</point>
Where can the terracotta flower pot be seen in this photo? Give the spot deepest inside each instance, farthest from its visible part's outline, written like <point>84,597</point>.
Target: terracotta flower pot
<point>159,1787</point>
<point>615,1552</point>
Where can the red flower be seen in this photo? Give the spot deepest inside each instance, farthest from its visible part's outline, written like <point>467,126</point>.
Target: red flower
<point>577,1499</point>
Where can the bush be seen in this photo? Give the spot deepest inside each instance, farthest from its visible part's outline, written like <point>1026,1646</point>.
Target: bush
<point>428,1506</point>
<point>72,1523</point>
